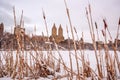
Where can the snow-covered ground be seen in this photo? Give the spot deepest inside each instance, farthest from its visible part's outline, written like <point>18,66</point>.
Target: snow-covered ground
<point>89,56</point>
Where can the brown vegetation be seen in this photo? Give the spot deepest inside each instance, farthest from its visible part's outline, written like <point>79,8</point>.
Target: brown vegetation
<point>37,65</point>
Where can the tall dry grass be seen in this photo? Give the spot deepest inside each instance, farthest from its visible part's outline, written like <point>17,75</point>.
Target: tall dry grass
<point>37,65</point>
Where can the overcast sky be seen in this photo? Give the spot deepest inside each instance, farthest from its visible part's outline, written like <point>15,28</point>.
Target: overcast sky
<point>56,13</point>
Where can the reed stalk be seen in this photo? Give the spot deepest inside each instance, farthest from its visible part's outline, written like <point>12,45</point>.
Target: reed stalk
<point>117,35</point>
<point>70,58</point>
<point>93,38</point>
<point>99,51</point>
<point>71,27</point>
<point>113,46</point>
<point>49,49</point>
<point>81,49</point>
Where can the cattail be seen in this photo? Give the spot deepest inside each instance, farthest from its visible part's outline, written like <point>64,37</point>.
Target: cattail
<point>89,8</point>
<point>21,18</point>
<point>14,15</point>
<point>75,48</point>
<point>66,8</point>
<point>75,30</point>
<point>105,24</point>
<point>45,24</point>
<point>97,30</point>
<point>96,25</point>
<point>103,33</point>
<point>86,11</point>
<point>43,14</point>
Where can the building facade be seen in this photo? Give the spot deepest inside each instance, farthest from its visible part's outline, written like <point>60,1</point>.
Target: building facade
<point>57,37</point>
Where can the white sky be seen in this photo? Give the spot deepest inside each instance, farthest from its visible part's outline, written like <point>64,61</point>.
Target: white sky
<point>56,13</point>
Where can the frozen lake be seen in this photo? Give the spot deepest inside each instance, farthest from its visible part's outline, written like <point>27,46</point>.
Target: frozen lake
<point>89,56</point>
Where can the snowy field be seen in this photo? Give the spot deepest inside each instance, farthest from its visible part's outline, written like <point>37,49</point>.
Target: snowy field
<point>89,56</point>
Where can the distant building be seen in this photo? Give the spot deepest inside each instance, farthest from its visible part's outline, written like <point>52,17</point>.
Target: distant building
<point>57,37</point>
<point>60,34</point>
<point>1,29</point>
<point>54,31</point>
